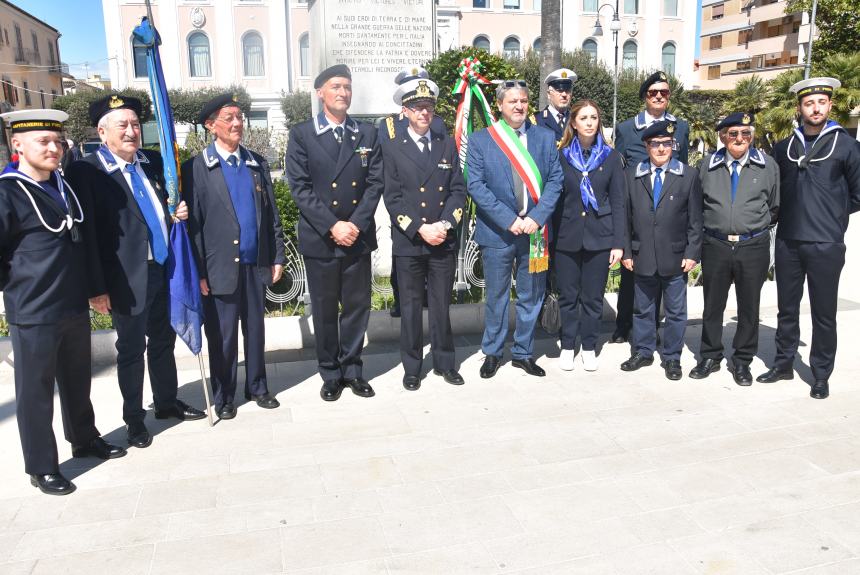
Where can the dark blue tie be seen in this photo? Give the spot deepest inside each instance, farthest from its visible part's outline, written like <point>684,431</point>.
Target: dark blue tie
<point>735,178</point>
<point>231,159</point>
<point>658,186</point>
<point>156,237</point>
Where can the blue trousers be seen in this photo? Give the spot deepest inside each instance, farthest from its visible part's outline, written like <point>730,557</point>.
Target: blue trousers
<point>674,290</point>
<point>498,263</point>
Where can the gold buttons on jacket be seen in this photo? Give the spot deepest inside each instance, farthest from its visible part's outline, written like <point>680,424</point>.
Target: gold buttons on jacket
<point>334,184</point>
<point>424,220</point>
<point>441,189</point>
<point>236,260</point>
<point>354,184</point>
<point>583,214</point>
<point>334,202</point>
<point>235,242</point>
<point>423,205</point>
<point>354,202</point>
<point>421,189</point>
<point>441,203</point>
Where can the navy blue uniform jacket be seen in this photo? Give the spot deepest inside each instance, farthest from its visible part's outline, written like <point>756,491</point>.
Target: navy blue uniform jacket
<point>658,241</point>
<point>214,228</point>
<point>121,232</point>
<point>331,183</point>
<point>628,139</point>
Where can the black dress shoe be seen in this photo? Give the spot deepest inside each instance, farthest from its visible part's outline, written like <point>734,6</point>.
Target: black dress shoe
<point>672,368</point>
<point>529,366</point>
<point>411,382</point>
<point>705,368</point>
<point>820,389</point>
<point>227,411</point>
<point>52,484</point>
<point>331,390</point>
<point>490,366</point>
<point>742,375</point>
<point>138,435</point>
<point>266,401</point>
<point>99,448</point>
<point>773,375</point>
<point>636,361</point>
<point>618,336</point>
<point>452,376</point>
<point>181,411</point>
<point>359,387</point>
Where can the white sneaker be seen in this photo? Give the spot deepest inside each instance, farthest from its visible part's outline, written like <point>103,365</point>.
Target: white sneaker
<point>589,360</point>
<point>565,359</point>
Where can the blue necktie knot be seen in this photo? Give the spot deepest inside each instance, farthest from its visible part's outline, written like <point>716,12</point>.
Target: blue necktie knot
<point>658,186</point>
<point>231,159</point>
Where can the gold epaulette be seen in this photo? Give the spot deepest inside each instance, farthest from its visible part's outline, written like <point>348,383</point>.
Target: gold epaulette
<point>389,121</point>
<point>532,119</point>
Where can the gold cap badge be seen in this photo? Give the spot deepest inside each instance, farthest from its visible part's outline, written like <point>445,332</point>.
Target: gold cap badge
<point>115,102</point>
<point>746,119</point>
<point>670,128</point>
<point>564,74</point>
<point>423,90</point>
<point>235,97</point>
<point>662,76</point>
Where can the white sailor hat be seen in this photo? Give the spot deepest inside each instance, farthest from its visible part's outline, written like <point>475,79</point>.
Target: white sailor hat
<point>822,85</point>
<point>411,73</point>
<point>415,90</point>
<point>562,78</point>
<point>39,119</point>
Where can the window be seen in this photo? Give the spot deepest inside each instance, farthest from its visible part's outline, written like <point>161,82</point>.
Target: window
<point>713,72</point>
<point>139,57</point>
<point>198,55</point>
<point>27,94</point>
<point>631,6</point>
<point>258,119</point>
<point>511,4</point>
<point>511,47</point>
<point>252,54</point>
<point>304,55</point>
<point>42,96</point>
<point>628,61</point>
<point>536,5</point>
<point>669,58</point>
<point>590,48</point>
<point>36,56</point>
<point>589,5</point>
<point>670,7</point>
<point>10,93</point>
<point>717,11</point>
<point>744,65</point>
<point>479,3</point>
<point>19,45</point>
<point>481,42</point>
<point>744,37</point>
<point>51,58</point>
<point>536,45</point>
<point>715,42</point>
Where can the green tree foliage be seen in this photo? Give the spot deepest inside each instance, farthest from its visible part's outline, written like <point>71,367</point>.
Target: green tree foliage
<point>296,107</point>
<point>443,71</point>
<point>287,208</point>
<point>838,23</point>
<point>186,104</point>
<point>77,106</point>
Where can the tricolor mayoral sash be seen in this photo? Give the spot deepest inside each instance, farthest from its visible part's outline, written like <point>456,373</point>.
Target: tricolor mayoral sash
<point>522,161</point>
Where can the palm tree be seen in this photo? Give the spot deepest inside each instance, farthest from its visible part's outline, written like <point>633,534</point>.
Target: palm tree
<point>845,67</point>
<point>750,95</point>
<point>550,41</point>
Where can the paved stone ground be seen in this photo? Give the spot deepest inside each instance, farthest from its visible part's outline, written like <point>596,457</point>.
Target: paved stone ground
<point>574,473</point>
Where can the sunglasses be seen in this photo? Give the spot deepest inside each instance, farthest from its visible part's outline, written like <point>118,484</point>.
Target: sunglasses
<point>656,145</point>
<point>745,134</point>
<point>514,83</point>
<point>562,86</point>
<point>653,93</point>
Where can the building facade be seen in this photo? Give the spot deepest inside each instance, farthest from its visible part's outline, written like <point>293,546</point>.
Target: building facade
<point>740,38</point>
<point>30,68</point>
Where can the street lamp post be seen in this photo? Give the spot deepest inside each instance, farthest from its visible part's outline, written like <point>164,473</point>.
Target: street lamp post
<point>614,27</point>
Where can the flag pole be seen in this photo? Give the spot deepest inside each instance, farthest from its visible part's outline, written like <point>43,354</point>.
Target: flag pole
<point>205,389</point>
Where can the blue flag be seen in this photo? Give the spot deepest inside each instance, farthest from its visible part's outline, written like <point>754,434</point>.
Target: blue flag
<point>186,304</point>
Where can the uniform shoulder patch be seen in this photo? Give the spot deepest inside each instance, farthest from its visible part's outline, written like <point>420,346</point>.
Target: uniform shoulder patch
<point>532,119</point>
<point>389,123</point>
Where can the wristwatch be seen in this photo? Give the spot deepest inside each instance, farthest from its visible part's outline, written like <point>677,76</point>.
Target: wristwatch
<point>447,225</point>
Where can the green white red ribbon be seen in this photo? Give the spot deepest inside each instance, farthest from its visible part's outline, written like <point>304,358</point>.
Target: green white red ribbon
<point>521,160</point>
<point>467,86</point>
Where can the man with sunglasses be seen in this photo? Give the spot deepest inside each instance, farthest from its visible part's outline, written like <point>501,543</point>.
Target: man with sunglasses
<point>559,85</point>
<point>239,247</point>
<point>515,179</point>
<point>740,188</point>
<point>663,243</point>
<point>655,93</point>
<point>819,166</point>
<point>425,194</point>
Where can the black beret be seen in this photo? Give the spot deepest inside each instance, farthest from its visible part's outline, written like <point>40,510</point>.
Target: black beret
<point>113,102</point>
<point>336,71</point>
<point>655,78</point>
<point>736,119</point>
<point>215,104</point>
<point>659,129</point>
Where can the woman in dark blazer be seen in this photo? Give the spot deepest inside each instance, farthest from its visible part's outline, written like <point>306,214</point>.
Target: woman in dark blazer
<point>589,222</point>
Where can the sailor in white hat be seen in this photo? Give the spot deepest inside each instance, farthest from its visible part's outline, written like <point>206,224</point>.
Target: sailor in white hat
<point>559,86</point>
<point>819,167</point>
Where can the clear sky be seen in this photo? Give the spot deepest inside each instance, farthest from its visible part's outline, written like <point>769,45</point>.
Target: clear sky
<point>82,29</point>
